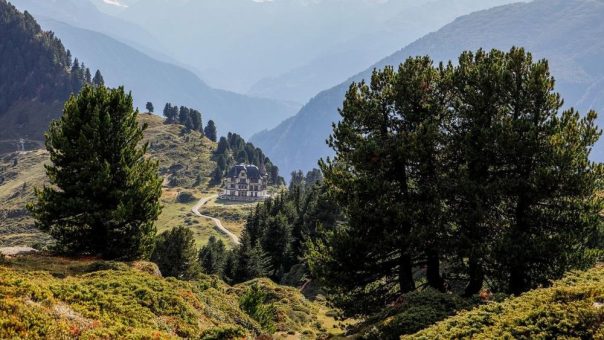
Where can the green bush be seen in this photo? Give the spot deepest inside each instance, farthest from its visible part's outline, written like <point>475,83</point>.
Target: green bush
<point>223,333</point>
<point>255,303</point>
<point>416,311</point>
<point>185,197</point>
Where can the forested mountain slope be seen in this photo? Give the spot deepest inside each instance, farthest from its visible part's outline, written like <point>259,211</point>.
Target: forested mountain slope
<point>567,32</point>
<point>36,76</point>
<point>84,14</point>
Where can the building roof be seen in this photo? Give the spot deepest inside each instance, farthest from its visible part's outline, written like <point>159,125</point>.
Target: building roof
<point>252,171</point>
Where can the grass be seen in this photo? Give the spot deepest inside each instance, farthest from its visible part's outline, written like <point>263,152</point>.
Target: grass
<point>48,297</point>
<point>176,214</point>
<point>19,173</point>
<point>232,214</point>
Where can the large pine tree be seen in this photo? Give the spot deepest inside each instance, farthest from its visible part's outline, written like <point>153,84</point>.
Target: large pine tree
<point>104,194</point>
<point>475,165</point>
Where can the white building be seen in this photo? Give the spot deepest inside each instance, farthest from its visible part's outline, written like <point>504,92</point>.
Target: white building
<point>245,183</point>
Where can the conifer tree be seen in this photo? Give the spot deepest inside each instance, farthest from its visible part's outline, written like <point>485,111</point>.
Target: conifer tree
<point>149,107</point>
<point>104,194</point>
<point>169,114</point>
<point>175,253</point>
<point>195,120</point>
<point>87,75</point>
<point>212,257</point>
<point>210,131</point>
<point>184,117</point>
<point>98,79</point>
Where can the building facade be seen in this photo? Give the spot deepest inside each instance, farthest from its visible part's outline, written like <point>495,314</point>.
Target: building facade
<point>245,183</point>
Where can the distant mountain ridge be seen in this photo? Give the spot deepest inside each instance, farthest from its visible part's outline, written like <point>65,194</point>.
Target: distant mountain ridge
<point>567,32</point>
<point>341,60</point>
<point>160,82</point>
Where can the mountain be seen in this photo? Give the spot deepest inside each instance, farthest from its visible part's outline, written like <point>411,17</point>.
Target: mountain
<point>567,32</point>
<point>36,77</point>
<point>160,82</point>
<point>339,61</point>
<point>237,43</point>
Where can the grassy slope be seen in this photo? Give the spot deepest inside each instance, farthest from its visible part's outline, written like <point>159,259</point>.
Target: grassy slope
<point>572,308</point>
<point>45,297</point>
<point>185,163</point>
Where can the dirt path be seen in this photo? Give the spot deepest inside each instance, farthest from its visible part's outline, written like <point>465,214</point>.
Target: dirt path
<point>216,221</point>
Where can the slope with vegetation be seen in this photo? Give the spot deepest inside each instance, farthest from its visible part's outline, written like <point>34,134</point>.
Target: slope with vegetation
<point>573,308</point>
<point>47,297</point>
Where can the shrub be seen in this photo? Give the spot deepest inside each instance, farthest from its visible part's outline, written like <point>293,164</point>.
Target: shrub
<point>572,308</point>
<point>255,303</point>
<point>185,197</point>
<point>416,311</point>
<point>223,333</point>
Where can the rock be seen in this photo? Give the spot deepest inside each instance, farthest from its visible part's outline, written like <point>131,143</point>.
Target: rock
<point>15,251</point>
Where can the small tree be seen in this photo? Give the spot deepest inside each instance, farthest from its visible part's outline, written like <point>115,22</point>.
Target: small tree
<point>212,257</point>
<point>210,131</point>
<point>98,79</point>
<point>104,194</point>
<point>150,107</point>
<point>175,253</point>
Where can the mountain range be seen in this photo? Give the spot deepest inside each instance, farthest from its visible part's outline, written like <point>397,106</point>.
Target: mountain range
<point>566,32</point>
<point>289,49</point>
<point>150,78</point>
<point>341,60</point>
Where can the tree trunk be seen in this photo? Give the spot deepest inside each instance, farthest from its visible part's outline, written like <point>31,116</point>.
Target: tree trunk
<point>405,273</point>
<point>433,271</point>
<point>518,275</point>
<point>517,283</point>
<point>476,277</point>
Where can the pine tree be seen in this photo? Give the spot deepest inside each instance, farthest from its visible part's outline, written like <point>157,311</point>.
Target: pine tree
<point>149,107</point>
<point>386,139</point>
<point>168,113</point>
<point>184,117</point>
<point>210,131</point>
<point>195,120</point>
<point>212,257</point>
<point>87,75</point>
<point>175,253</point>
<point>104,194</point>
<point>98,79</point>
<point>251,260</point>
<point>549,186</point>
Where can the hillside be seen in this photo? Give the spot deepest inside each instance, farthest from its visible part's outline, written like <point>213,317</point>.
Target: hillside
<point>565,32</point>
<point>46,297</point>
<point>185,163</point>
<point>36,76</point>
<point>572,309</point>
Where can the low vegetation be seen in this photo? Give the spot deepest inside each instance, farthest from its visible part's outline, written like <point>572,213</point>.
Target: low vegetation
<point>573,308</point>
<point>47,297</point>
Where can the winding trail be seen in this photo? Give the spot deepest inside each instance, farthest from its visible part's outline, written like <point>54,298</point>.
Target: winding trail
<point>216,221</point>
